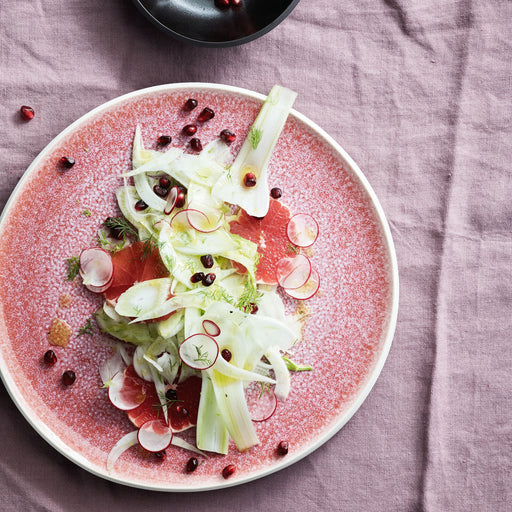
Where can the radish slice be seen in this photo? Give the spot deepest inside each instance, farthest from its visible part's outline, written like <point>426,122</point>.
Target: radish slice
<point>261,401</point>
<point>199,351</point>
<point>171,200</point>
<point>154,436</point>
<point>302,230</point>
<point>125,392</point>
<point>96,269</point>
<point>308,289</point>
<point>293,272</point>
<point>211,328</point>
<point>203,222</point>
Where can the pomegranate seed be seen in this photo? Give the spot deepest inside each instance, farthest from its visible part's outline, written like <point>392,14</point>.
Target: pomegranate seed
<point>181,410</point>
<point>140,205</point>
<point>235,3</point>
<point>228,470</point>
<point>205,115</point>
<point>198,276</point>
<point>160,191</point>
<point>27,113</point>
<point>67,162</point>
<point>207,261</point>
<point>50,357</point>
<point>68,377</point>
<point>195,144</point>
<point>189,129</point>
<point>161,455</point>
<point>250,180</point>
<point>282,448</point>
<point>222,4</point>
<point>164,140</point>
<point>208,279</point>
<point>192,464</point>
<point>227,136</point>
<point>226,354</point>
<point>190,105</point>
<point>276,193</point>
<point>171,395</point>
<point>164,182</point>
<point>180,200</point>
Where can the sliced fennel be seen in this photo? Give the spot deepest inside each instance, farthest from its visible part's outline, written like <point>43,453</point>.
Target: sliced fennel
<point>158,315</point>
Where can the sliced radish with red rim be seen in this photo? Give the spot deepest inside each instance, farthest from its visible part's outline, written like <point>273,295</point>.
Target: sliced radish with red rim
<point>199,351</point>
<point>293,272</point>
<point>302,230</point>
<point>172,198</point>
<point>155,436</point>
<point>96,269</point>
<point>125,392</point>
<point>261,401</point>
<point>308,289</point>
<point>211,328</point>
<point>202,221</point>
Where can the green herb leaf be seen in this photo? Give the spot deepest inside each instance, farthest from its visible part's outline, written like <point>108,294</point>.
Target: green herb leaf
<point>73,267</point>
<point>87,328</point>
<point>255,137</point>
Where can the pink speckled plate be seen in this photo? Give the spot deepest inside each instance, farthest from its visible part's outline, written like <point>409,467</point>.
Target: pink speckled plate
<point>46,221</point>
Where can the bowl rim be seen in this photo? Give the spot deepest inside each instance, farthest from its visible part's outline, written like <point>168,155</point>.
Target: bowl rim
<point>76,457</point>
<point>216,44</point>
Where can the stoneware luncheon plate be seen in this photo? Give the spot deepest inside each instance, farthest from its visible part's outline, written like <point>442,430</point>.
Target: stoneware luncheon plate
<point>55,212</point>
<point>216,23</point>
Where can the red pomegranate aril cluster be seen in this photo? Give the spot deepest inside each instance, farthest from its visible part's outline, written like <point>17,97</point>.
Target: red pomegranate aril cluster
<point>192,465</point>
<point>250,180</point>
<point>140,205</point>
<point>49,357</point>
<point>68,377</point>
<point>226,354</point>
<point>164,140</point>
<point>189,129</point>
<point>228,470</point>
<point>195,144</point>
<point>190,105</point>
<point>67,162</point>
<point>205,115</point>
<point>227,136</point>
<point>282,448</point>
<point>27,113</point>
<point>207,260</point>
<point>276,193</point>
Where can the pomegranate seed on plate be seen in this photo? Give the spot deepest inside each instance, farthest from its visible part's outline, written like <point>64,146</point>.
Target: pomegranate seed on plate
<point>235,3</point>
<point>163,140</point>
<point>226,354</point>
<point>208,279</point>
<point>192,464</point>
<point>207,261</point>
<point>250,180</point>
<point>27,113</point>
<point>205,115</point>
<point>190,105</point>
<point>282,448</point>
<point>222,4</point>
<point>164,182</point>
<point>276,193</point>
<point>189,129</point>
<point>228,470</point>
<point>68,377</point>
<point>198,276</point>
<point>195,144</point>
<point>67,161</point>
<point>160,191</point>
<point>161,455</point>
<point>227,136</point>
<point>50,357</point>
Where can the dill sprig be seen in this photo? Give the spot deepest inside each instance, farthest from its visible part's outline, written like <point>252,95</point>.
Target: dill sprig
<point>73,267</point>
<point>249,298</point>
<point>121,227</point>
<point>255,137</point>
<point>201,356</point>
<point>87,328</point>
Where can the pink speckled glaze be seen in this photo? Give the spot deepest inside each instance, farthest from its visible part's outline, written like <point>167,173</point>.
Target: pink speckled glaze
<point>346,339</point>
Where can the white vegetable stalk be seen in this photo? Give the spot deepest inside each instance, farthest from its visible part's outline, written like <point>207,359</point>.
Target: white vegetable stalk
<point>255,154</point>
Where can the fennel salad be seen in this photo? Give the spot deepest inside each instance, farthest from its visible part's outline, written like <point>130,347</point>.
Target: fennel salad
<point>202,335</point>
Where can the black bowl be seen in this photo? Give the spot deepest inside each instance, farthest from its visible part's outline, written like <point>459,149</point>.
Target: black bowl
<point>200,22</point>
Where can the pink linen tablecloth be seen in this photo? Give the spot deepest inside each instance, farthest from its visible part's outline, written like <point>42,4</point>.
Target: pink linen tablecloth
<point>420,95</point>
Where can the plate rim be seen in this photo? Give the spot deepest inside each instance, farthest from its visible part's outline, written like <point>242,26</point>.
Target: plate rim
<point>74,456</point>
